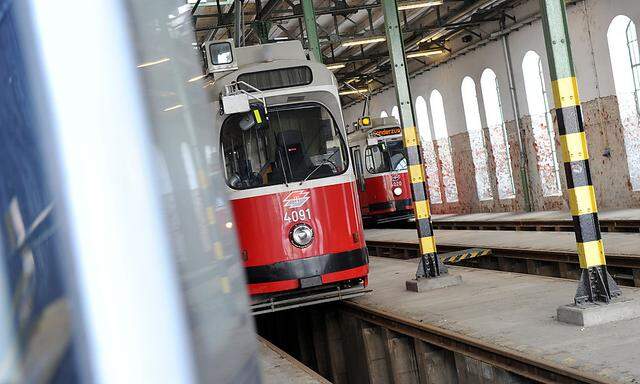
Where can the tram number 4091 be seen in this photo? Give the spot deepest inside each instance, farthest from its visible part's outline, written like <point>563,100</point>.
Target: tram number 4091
<point>298,215</point>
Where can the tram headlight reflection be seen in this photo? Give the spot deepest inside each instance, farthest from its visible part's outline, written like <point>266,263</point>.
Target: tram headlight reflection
<point>301,235</point>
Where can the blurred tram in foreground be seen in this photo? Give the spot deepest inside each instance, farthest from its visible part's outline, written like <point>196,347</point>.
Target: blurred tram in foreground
<point>288,175</point>
<point>383,182</point>
<point>115,262</point>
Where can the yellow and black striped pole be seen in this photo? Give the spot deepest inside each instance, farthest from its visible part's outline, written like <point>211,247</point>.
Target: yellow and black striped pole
<point>430,264</point>
<point>595,282</point>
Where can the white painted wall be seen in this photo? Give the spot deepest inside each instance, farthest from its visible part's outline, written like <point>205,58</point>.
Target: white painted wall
<point>588,23</point>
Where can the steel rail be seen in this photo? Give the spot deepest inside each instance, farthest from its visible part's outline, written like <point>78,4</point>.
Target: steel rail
<point>571,257</point>
<point>510,360</point>
<point>559,225</point>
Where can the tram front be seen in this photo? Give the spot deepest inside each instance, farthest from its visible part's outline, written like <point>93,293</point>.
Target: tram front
<point>282,141</point>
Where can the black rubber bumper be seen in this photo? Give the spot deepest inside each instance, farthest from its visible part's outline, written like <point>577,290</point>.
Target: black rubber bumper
<point>308,267</point>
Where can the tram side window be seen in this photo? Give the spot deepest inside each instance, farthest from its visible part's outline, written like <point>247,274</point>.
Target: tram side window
<point>295,143</point>
<point>386,157</point>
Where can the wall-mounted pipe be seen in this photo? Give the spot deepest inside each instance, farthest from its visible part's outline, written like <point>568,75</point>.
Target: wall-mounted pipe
<point>524,174</point>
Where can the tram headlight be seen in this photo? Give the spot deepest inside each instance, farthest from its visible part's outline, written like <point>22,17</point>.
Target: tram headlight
<point>397,191</point>
<point>301,235</point>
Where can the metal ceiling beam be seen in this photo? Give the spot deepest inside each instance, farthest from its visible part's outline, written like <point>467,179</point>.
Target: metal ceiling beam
<point>267,9</point>
<point>492,37</point>
<point>464,15</point>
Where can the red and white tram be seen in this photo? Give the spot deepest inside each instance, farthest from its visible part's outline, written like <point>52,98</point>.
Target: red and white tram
<point>289,179</point>
<point>383,181</point>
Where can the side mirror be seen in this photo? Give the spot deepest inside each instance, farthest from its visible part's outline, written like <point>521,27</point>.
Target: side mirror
<point>220,56</point>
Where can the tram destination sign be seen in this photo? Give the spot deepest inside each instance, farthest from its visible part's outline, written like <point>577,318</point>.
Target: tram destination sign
<point>384,132</point>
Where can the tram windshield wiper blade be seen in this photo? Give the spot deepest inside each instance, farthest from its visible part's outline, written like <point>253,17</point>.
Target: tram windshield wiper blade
<point>323,162</point>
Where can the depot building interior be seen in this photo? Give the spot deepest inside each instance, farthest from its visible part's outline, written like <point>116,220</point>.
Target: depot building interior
<point>342,191</point>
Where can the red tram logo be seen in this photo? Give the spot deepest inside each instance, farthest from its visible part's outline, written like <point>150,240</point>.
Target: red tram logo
<point>296,199</point>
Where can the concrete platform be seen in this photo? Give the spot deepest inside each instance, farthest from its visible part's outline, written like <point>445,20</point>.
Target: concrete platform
<point>611,215</point>
<point>596,314</point>
<point>278,367</point>
<point>512,311</point>
<point>615,244</point>
<point>424,285</point>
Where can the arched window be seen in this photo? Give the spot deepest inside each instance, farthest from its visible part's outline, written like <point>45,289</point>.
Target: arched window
<point>497,134</point>
<point>428,151</point>
<point>476,138</point>
<point>625,63</point>
<point>543,134</point>
<point>384,114</point>
<point>444,147</point>
<point>395,113</point>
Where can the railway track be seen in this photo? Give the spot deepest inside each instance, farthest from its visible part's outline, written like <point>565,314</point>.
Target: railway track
<point>547,225</point>
<point>352,342</point>
<point>512,361</point>
<point>627,226</point>
<point>564,264</point>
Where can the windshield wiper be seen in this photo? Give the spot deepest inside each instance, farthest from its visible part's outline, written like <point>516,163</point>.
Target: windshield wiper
<point>284,171</point>
<point>323,162</point>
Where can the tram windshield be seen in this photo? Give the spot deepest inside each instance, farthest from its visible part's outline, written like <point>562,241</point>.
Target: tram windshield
<point>295,144</point>
<point>386,156</point>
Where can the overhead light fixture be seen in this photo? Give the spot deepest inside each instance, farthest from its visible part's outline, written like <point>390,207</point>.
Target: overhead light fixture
<point>172,108</point>
<point>353,91</point>
<point>336,66</point>
<point>418,4</point>
<point>429,52</point>
<point>363,41</point>
<point>150,63</point>
<point>191,80</point>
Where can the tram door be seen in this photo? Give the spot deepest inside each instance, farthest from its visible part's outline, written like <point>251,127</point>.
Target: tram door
<point>357,166</point>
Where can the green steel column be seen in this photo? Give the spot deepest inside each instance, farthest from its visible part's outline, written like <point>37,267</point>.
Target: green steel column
<point>430,265</point>
<point>596,285</point>
<point>238,24</point>
<point>312,30</point>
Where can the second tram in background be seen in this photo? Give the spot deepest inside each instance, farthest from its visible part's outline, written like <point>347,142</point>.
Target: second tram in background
<point>380,163</point>
<point>291,186</point>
